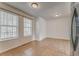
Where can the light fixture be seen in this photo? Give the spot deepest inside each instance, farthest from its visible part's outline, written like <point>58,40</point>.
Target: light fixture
<point>34,5</point>
<point>56,15</point>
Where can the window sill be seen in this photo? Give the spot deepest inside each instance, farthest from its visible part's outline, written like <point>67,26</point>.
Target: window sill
<point>6,39</point>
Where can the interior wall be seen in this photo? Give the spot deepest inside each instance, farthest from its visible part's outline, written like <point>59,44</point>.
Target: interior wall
<point>59,27</point>
<point>40,28</point>
<point>9,44</point>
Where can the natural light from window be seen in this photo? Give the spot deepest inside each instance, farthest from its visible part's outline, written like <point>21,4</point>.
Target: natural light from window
<point>8,25</point>
<point>27,27</point>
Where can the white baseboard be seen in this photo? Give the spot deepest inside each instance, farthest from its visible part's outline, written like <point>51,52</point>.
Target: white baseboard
<point>59,38</point>
<point>54,38</point>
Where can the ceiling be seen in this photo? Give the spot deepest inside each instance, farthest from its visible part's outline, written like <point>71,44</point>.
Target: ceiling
<point>47,10</point>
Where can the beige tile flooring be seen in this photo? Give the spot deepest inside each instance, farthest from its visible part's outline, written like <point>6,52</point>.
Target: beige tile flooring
<point>46,47</point>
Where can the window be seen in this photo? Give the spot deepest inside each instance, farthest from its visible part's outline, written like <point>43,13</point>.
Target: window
<point>27,27</point>
<point>8,25</point>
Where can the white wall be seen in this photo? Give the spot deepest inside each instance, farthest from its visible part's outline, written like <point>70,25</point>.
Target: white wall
<point>40,28</point>
<point>59,27</point>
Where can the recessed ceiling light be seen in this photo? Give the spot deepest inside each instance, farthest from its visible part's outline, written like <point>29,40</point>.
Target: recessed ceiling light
<point>34,5</point>
<point>56,15</point>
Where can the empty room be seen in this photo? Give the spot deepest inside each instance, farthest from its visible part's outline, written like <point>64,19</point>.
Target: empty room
<point>38,28</point>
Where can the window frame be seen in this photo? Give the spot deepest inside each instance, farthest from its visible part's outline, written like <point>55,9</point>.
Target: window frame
<point>8,26</point>
<point>29,27</point>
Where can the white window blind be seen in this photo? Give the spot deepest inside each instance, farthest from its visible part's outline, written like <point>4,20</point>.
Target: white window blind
<point>27,27</point>
<point>8,25</point>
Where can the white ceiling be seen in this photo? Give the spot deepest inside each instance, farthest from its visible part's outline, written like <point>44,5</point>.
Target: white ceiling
<point>47,10</point>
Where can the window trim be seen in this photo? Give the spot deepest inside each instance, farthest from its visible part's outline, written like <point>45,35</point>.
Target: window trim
<point>28,27</point>
<point>17,29</point>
